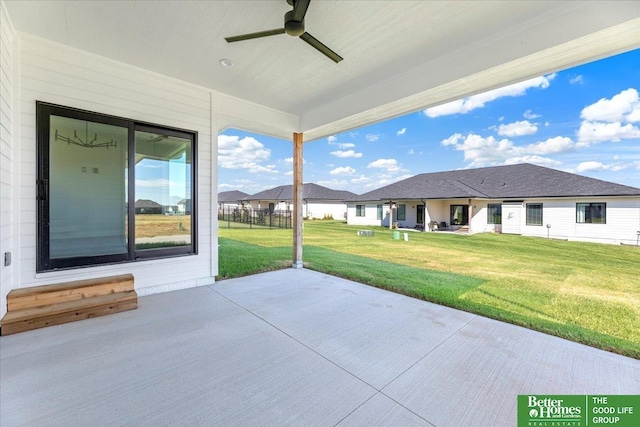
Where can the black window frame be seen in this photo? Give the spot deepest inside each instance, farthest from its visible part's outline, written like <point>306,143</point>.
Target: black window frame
<point>590,205</point>
<point>44,263</point>
<point>527,215</point>
<point>494,210</point>
<point>360,210</point>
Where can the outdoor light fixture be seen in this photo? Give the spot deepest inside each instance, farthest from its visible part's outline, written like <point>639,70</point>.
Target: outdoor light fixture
<point>226,63</point>
<point>548,228</point>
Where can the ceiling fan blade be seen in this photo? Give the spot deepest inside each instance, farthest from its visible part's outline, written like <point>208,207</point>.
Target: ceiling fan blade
<point>300,9</point>
<point>321,47</point>
<point>254,35</point>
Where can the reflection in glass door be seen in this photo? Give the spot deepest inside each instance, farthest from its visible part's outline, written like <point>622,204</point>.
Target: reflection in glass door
<point>163,209</point>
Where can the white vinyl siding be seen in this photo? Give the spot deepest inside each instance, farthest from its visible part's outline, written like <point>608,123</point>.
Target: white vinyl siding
<point>56,74</point>
<point>7,157</point>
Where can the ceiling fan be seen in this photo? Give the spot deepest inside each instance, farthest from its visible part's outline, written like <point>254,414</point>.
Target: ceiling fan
<point>293,26</point>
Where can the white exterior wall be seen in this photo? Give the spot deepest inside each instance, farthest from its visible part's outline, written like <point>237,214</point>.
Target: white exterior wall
<point>318,209</point>
<point>478,221</point>
<point>7,156</point>
<point>370,212</point>
<point>60,75</point>
<point>34,69</point>
<point>623,220</point>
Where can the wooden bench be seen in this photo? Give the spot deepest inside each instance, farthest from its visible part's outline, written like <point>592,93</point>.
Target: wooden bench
<point>40,306</point>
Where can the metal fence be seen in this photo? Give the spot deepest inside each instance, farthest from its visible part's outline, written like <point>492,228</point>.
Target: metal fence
<point>230,217</point>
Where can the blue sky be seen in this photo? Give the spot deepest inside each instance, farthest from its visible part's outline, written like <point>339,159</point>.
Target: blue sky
<point>583,120</point>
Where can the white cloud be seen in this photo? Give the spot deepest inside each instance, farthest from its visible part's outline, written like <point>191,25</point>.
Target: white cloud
<point>372,137</point>
<point>614,109</point>
<point>594,132</point>
<point>611,119</point>
<point>390,165</point>
<point>530,115</point>
<point>559,144</point>
<point>246,153</point>
<point>536,160</point>
<point>518,128</point>
<point>489,151</point>
<point>332,141</point>
<point>346,154</point>
<point>402,131</point>
<point>333,184</point>
<point>361,180</point>
<point>161,183</point>
<point>501,118</point>
<point>590,166</point>
<point>577,80</point>
<point>346,170</point>
<point>463,106</point>
<point>411,152</point>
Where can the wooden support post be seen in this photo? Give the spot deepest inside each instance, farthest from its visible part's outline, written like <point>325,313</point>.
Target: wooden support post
<point>297,200</point>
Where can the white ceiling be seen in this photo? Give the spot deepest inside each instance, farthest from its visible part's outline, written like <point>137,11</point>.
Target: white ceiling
<point>399,56</point>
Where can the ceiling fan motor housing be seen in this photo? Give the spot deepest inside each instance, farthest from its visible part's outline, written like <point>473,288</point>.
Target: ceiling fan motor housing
<point>291,27</point>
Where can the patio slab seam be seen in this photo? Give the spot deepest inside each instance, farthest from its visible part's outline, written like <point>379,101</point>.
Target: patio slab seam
<point>346,417</point>
<point>296,340</point>
<point>378,390</point>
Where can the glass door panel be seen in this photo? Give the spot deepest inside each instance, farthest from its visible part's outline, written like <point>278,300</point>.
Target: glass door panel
<point>163,213</point>
<point>87,188</point>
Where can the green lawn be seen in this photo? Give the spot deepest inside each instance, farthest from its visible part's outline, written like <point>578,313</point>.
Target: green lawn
<point>585,292</point>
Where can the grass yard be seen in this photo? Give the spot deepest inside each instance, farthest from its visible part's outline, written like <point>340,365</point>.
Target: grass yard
<point>162,225</point>
<point>589,293</point>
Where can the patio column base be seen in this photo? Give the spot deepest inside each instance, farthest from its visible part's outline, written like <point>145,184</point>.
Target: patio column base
<point>296,264</point>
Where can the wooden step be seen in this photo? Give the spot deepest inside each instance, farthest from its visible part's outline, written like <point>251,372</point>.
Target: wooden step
<point>38,296</point>
<point>40,306</point>
<point>69,311</point>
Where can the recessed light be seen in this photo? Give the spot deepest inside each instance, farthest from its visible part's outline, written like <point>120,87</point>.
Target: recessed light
<point>226,63</point>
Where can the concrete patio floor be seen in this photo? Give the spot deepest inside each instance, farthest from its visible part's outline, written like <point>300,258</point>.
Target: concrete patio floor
<point>292,347</point>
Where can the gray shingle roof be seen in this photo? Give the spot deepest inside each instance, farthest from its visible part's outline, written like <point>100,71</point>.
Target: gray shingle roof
<point>146,204</point>
<point>309,191</point>
<point>499,182</point>
<point>231,196</point>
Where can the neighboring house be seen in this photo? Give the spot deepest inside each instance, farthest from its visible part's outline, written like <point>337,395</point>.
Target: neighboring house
<point>184,206</point>
<point>317,201</point>
<point>146,206</point>
<point>516,199</point>
<point>230,199</point>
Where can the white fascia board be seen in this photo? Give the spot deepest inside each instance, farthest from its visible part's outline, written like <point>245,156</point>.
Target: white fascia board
<point>237,113</point>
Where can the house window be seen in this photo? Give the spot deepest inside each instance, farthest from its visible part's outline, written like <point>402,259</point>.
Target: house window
<point>112,189</point>
<point>359,210</point>
<point>534,213</point>
<point>402,213</point>
<point>591,213</point>
<point>379,210</point>
<point>459,214</point>
<point>494,213</point>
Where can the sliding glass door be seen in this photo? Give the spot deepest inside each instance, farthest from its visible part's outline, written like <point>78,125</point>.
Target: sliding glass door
<point>111,189</point>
